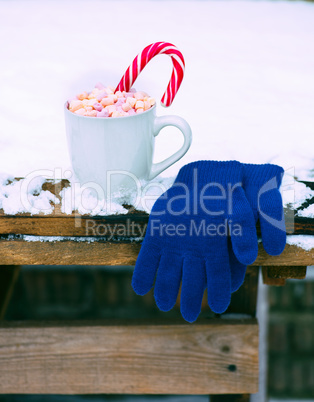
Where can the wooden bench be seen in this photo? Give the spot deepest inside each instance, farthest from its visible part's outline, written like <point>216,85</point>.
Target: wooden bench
<point>213,356</point>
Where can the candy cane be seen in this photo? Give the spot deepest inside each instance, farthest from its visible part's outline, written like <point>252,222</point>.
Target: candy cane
<point>144,57</point>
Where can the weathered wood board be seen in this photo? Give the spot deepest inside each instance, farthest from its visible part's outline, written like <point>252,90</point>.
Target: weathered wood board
<point>69,252</point>
<point>210,357</point>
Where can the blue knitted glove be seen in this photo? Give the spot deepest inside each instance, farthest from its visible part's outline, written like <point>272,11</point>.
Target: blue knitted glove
<point>187,238</point>
<point>261,184</point>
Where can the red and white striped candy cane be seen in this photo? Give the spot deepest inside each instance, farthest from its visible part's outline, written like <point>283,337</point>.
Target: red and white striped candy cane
<point>144,57</point>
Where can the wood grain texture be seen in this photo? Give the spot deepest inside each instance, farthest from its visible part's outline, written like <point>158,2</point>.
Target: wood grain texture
<point>215,356</point>
<point>21,252</point>
<point>59,224</point>
<point>291,256</point>
<point>67,253</point>
<point>129,225</point>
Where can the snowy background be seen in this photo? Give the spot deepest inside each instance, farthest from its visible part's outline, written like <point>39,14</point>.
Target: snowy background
<point>248,91</point>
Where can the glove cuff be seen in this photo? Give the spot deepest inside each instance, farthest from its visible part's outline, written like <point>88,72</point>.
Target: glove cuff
<point>258,175</point>
<point>204,172</point>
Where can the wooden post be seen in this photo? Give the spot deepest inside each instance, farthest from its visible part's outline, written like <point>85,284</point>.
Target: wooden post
<point>243,301</point>
<point>230,398</point>
<point>8,277</point>
<point>276,276</point>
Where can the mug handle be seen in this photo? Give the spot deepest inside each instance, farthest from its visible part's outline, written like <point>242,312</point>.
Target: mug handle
<point>176,121</point>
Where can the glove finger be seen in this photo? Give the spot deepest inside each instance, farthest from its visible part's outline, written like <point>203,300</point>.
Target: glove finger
<point>237,270</point>
<point>272,222</point>
<point>218,283</point>
<point>242,228</point>
<point>145,269</point>
<point>168,281</point>
<point>193,286</point>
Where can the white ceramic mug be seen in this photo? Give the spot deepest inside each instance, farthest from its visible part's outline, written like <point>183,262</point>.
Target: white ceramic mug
<point>116,152</point>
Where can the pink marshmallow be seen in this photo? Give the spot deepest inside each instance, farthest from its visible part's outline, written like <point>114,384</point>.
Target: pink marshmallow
<point>103,102</point>
<point>120,101</point>
<point>98,106</point>
<point>111,109</point>
<point>103,113</point>
<point>102,95</point>
<point>131,112</point>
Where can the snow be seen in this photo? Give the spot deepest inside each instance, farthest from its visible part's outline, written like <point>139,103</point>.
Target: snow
<point>307,212</point>
<point>304,241</point>
<point>294,193</point>
<point>25,196</point>
<point>248,91</point>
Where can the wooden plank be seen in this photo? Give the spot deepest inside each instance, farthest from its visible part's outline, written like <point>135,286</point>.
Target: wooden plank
<point>134,224</point>
<point>268,280</point>
<point>214,356</point>
<point>276,276</point>
<point>287,272</point>
<point>291,256</point>
<point>230,398</point>
<point>126,226</point>
<point>8,277</point>
<point>67,252</point>
<point>20,252</point>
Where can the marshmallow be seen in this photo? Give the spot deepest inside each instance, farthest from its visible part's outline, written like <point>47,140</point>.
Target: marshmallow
<point>116,114</point>
<point>151,101</point>
<point>131,101</point>
<point>92,113</point>
<point>126,107</point>
<point>80,112</point>
<point>107,101</point>
<point>103,113</point>
<point>101,95</point>
<point>120,101</point>
<point>104,102</point>
<point>131,112</point>
<point>75,105</point>
<point>111,109</point>
<point>146,105</point>
<point>82,96</point>
<point>139,105</point>
<point>98,106</point>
